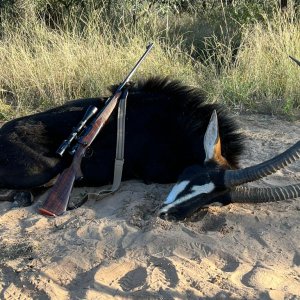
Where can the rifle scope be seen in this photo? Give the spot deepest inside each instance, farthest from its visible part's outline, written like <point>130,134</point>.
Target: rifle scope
<point>66,143</point>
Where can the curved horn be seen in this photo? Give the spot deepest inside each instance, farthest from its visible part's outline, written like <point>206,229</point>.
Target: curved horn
<point>237,177</point>
<point>260,195</point>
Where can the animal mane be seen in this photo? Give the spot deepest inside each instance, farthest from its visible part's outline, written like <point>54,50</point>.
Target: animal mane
<point>196,112</point>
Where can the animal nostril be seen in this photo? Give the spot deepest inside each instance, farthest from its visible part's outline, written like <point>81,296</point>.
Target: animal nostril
<point>163,215</point>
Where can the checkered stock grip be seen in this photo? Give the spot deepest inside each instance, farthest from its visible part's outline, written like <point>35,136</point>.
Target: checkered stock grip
<point>58,198</point>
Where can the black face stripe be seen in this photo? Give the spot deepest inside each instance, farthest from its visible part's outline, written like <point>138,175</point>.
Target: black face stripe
<point>195,191</point>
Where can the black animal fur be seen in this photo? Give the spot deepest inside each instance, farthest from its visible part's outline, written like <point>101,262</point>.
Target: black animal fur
<point>165,127</point>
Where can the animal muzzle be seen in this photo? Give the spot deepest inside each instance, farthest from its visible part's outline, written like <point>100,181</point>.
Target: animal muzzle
<point>175,213</point>
<point>165,216</point>
<point>168,214</point>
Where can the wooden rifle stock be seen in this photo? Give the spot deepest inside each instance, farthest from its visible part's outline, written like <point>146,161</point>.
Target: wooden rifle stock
<point>57,200</point>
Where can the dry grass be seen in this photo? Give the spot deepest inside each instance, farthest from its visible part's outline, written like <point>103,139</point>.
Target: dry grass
<point>263,77</point>
<point>42,67</point>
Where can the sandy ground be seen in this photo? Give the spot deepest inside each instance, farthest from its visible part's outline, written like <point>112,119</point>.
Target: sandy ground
<point>117,248</point>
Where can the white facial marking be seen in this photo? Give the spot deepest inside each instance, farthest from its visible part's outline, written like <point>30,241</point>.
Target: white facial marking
<point>196,190</point>
<point>176,190</point>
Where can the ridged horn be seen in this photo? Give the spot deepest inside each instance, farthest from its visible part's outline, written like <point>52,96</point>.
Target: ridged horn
<point>261,195</point>
<point>237,177</point>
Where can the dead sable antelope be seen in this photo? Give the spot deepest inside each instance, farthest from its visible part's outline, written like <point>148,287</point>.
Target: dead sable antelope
<point>200,186</point>
<point>170,134</point>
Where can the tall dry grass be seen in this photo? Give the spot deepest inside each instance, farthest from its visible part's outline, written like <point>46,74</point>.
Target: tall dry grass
<point>43,67</point>
<point>262,76</point>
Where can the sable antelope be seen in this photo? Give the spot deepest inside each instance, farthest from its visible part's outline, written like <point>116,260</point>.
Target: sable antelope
<point>169,135</point>
<point>200,186</point>
<point>165,127</point>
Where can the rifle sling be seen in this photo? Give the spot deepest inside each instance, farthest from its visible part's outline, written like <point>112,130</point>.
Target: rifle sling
<point>119,160</point>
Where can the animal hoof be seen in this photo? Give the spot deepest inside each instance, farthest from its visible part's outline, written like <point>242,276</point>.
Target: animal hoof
<point>7,195</point>
<point>22,199</point>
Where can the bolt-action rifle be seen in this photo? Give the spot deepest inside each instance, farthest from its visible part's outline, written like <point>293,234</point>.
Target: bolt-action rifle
<point>58,197</point>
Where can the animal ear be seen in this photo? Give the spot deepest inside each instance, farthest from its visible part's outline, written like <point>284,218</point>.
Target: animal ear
<point>212,142</point>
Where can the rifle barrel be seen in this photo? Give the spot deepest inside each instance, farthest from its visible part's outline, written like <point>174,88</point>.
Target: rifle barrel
<point>295,60</point>
<point>148,49</point>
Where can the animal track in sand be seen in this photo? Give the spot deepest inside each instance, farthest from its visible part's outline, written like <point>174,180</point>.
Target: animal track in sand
<point>261,278</point>
<point>230,266</point>
<point>193,249</point>
<point>213,222</point>
<point>118,276</point>
<point>162,272</point>
<point>133,279</point>
<point>271,281</point>
<point>225,262</point>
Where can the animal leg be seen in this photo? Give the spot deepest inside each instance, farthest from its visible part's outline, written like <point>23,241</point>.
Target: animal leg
<point>18,198</point>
